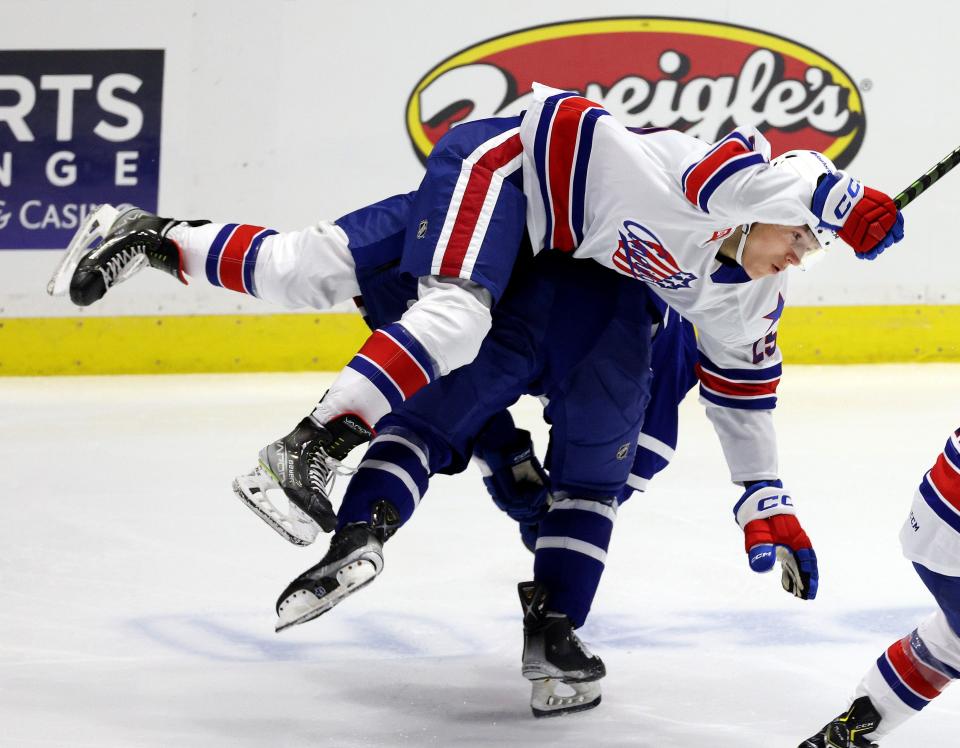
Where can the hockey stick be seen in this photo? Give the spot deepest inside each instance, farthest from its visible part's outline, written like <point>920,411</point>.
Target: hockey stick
<point>923,183</point>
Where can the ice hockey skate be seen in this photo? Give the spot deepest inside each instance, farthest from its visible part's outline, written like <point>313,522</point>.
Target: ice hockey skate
<point>300,470</point>
<point>354,559</point>
<point>111,246</point>
<point>554,657</point>
<point>848,729</point>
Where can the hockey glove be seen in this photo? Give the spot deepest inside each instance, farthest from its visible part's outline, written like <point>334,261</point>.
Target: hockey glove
<point>514,477</point>
<point>772,531</point>
<point>865,218</point>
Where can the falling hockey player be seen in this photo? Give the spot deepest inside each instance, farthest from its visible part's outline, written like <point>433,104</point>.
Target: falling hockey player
<point>566,175</point>
<point>656,206</point>
<point>914,670</point>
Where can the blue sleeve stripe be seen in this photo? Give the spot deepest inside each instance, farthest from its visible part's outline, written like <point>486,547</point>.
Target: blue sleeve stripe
<point>213,254</point>
<point>900,688</point>
<point>937,504</point>
<point>732,136</point>
<point>250,262</point>
<point>751,375</point>
<point>579,187</point>
<point>730,168</point>
<point>378,379</point>
<point>952,455</point>
<point>547,113</point>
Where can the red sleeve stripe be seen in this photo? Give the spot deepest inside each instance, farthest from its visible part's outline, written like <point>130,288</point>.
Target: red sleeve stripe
<point>395,361</point>
<point>699,174</point>
<point>562,149</point>
<point>472,203</point>
<point>736,387</point>
<point>907,671</point>
<point>931,675</point>
<point>231,259</point>
<point>946,480</point>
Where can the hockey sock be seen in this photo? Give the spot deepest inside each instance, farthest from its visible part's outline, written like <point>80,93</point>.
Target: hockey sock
<point>571,552</point>
<point>390,367</point>
<point>395,468</point>
<point>911,673</point>
<point>312,267</point>
<point>225,254</point>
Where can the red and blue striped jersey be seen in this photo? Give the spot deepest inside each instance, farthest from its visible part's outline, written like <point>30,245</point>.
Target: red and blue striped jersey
<point>931,534</point>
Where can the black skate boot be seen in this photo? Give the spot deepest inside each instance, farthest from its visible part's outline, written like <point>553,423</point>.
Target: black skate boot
<point>304,464</point>
<point>554,655</point>
<point>849,729</point>
<point>131,240</point>
<point>354,559</point>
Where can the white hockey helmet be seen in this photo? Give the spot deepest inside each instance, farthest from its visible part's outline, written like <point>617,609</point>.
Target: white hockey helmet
<point>810,166</point>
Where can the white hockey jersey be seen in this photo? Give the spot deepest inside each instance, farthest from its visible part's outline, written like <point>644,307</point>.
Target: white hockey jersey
<point>656,204</point>
<point>931,534</point>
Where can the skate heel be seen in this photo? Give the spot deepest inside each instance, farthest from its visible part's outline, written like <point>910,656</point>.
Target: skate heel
<point>354,560</point>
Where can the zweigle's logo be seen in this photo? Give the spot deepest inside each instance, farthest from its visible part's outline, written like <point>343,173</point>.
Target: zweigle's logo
<point>77,128</point>
<point>698,76</point>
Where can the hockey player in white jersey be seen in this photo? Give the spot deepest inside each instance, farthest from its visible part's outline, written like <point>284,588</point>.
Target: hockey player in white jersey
<point>916,669</point>
<point>659,206</point>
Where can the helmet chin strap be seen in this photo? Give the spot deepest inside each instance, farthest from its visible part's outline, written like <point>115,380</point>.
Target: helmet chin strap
<point>743,241</point>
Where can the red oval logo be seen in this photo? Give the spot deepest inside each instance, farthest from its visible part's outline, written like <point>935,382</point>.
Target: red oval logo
<point>701,77</point>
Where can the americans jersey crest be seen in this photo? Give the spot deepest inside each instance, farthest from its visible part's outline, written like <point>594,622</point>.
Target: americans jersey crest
<point>642,255</point>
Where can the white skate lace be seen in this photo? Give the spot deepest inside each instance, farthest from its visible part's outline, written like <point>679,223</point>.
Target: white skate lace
<point>113,270</point>
<point>322,472</point>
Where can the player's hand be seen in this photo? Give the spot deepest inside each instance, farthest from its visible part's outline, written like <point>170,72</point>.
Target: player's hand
<point>772,532</point>
<point>514,477</point>
<point>865,218</point>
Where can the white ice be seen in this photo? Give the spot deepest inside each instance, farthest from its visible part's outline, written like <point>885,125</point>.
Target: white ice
<point>136,593</point>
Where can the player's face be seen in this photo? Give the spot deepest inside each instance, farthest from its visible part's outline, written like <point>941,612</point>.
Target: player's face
<point>771,249</point>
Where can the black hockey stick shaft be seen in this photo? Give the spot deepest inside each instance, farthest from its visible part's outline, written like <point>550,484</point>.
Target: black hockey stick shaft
<point>923,183</point>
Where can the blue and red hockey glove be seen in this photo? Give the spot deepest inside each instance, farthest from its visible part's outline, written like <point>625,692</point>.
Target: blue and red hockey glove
<point>772,532</point>
<point>865,218</point>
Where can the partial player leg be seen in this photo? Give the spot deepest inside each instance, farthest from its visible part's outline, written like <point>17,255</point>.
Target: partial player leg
<point>313,267</point>
<point>906,677</point>
<point>381,497</point>
<point>463,260</point>
<point>554,657</point>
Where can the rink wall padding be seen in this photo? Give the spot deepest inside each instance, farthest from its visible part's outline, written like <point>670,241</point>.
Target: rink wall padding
<point>325,342</point>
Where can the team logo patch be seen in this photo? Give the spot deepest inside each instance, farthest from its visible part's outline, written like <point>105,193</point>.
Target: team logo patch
<point>642,255</point>
<point>422,229</point>
<point>623,451</point>
<point>698,76</point>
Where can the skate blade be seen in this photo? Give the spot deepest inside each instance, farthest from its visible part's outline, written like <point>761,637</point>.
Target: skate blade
<point>296,527</point>
<point>95,226</point>
<point>545,702</point>
<point>303,606</point>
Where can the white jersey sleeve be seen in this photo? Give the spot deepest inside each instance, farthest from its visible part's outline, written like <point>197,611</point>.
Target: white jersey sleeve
<point>931,534</point>
<point>738,386</point>
<point>734,182</point>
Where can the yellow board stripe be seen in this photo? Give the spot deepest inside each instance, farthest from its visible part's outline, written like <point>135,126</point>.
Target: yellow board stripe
<point>165,345</point>
<point>325,342</point>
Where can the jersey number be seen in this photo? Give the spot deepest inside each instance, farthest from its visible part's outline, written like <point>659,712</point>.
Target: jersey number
<point>765,347</point>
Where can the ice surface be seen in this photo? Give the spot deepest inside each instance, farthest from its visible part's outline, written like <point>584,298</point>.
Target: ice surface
<point>136,593</point>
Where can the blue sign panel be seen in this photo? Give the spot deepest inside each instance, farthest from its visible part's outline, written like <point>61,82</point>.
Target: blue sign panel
<point>77,129</point>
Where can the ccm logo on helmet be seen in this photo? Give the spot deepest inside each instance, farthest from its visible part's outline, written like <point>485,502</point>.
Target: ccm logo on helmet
<point>699,76</point>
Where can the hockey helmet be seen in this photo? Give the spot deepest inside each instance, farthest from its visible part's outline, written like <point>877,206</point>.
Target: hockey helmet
<point>810,166</point>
